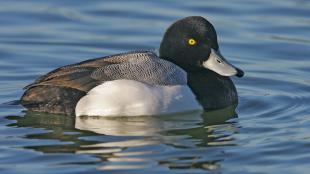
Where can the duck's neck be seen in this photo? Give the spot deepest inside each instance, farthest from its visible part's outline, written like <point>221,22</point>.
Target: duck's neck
<point>213,91</point>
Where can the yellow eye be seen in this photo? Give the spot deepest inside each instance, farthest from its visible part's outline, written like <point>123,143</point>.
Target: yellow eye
<point>192,41</point>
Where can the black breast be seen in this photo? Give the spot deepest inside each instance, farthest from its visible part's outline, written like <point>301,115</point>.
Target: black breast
<point>212,90</point>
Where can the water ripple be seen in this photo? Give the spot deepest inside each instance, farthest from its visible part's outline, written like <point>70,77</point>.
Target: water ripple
<point>268,134</point>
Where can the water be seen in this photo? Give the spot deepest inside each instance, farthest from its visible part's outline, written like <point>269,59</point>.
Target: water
<point>269,133</point>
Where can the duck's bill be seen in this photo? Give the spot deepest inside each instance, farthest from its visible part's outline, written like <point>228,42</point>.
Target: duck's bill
<point>217,63</point>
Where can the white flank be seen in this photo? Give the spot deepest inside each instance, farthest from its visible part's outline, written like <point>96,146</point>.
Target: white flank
<point>133,98</point>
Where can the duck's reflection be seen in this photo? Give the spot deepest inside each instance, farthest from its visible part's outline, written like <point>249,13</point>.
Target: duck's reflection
<point>153,125</point>
<point>137,126</point>
<point>190,140</point>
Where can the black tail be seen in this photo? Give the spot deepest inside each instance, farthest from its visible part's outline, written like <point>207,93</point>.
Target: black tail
<point>52,99</point>
<point>12,103</point>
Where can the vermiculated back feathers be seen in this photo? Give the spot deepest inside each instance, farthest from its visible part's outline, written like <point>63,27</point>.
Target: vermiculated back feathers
<point>146,68</point>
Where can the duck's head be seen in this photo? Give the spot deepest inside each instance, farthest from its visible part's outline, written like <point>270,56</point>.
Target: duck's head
<point>192,44</point>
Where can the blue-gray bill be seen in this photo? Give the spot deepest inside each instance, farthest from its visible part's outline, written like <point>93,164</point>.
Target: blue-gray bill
<point>217,63</point>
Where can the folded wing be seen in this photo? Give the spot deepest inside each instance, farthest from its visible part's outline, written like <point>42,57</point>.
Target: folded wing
<point>59,90</point>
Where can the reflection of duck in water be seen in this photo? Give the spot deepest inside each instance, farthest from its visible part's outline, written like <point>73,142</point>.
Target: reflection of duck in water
<point>189,67</point>
<point>149,126</point>
<point>161,142</point>
<point>137,126</point>
<point>192,124</point>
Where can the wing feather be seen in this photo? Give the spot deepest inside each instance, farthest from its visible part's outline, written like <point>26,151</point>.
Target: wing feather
<point>147,68</point>
<point>59,90</point>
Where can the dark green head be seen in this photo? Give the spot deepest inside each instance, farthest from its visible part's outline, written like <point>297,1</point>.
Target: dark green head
<point>192,44</point>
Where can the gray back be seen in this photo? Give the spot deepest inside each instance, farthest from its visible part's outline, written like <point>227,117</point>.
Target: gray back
<point>144,67</point>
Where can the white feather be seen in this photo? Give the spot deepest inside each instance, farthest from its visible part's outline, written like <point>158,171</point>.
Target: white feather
<point>133,98</point>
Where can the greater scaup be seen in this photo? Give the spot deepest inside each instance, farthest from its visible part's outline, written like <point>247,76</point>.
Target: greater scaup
<point>189,74</point>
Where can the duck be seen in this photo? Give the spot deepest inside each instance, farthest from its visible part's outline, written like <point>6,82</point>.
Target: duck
<point>189,74</point>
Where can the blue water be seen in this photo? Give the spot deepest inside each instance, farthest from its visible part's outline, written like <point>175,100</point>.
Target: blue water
<point>269,133</point>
